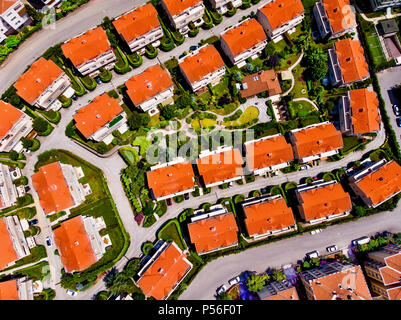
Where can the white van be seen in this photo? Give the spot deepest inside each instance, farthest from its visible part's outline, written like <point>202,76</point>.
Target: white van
<point>359,241</point>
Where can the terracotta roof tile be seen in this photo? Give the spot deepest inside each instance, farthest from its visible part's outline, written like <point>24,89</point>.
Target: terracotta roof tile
<point>6,4</point>
<point>37,79</point>
<point>268,216</point>
<point>137,23</point>
<point>97,114</point>
<point>87,46</point>
<point>221,166</point>
<point>324,201</point>
<point>74,245</point>
<point>164,273</point>
<point>288,294</point>
<point>9,115</point>
<point>206,61</point>
<point>365,111</point>
<point>394,293</point>
<point>9,290</point>
<point>51,186</point>
<point>352,60</point>
<point>316,140</point>
<point>7,251</point>
<point>172,179</point>
<point>280,12</point>
<point>243,37</point>
<point>382,183</point>
<point>340,15</point>
<point>265,80</point>
<point>177,6</point>
<point>213,232</point>
<point>147,84</point>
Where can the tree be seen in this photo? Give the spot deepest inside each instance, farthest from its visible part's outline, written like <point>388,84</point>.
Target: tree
<point>132,268</point>
<point>14,155</point>
<point>269,50</point>
<point>12,41</point>
<point>168,112</point>
<point>138,296</point>
<point>138,120</point>
<point>278,275</point>
<point>117,283</point>
<point>316,63</point>
<point>70,130</point>
<point>274,61</point>
<point>35,15</point>
<point>256,282</point>
<point>40,125</point>
<point>101,147</point>
<point>184,100</point>
<point>360,211</point>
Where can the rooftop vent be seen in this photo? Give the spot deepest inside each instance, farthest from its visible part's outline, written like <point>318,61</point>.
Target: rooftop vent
<point>319,142</point>
<point>76,243</point>
<point>161,270</point>
<point>269,155</point>
<point>212,229</point>
<point>348,59</point>
<point>98,116</point>
<point>38,80</point>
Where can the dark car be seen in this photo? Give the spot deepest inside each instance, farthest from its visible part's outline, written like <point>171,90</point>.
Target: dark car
<point>264,190</point>
<point>74,97</point>
<point>186,196</point>
<point>27,188</point>
<point>169,203</point>
<point>33,222</point>
<point>399,122</point>
<point>193,48</point>
<point>98,81</point>
<point>396,110</point>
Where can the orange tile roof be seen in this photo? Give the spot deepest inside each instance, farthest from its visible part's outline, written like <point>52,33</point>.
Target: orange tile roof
<point>74,245</point>
<point>288,294</point>
<point>265,80</point>
<point>321,202</point>
<point>340,15</point>
<point>7,251</point>
<point>164,273</point>
<point>394,293</point>
<point>268,216</point>
<point>390,275</point>
<point>330,283</point>
<point>315,140</point>
<point>147,84</point>
<point>221,166</point>
<point>137,23</point>
<point>352,60</point>
<point>268,153</point>
<point>37,79</point>
<point>365,111</point>
<point>6,4</point>
<point>244,36</point>
<point>87,46</point>
<point>9,290</point>
<point>51,186</point>
<point>213,232</point>
<point>177,6</point>
<point>172,179</point>
<point>9,115</point>
<point>280,12</point>
<point>97,114</point>
<point>206,61</point>
<point>382,183</point>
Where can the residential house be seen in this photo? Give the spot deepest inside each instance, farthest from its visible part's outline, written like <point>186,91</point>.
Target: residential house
<point>262,81</point>
<point>338,280</point>
<point>151,88</point>
<point>347,63</point>
<point>276,290</point>
<point>384,4</point>
<point>213,231</point>
<point>182,12</point>
<point>268,154</point>
<point>89,52</point>
<point>16,289</point>
<point>317,141</point>
<point>13,245</point>
<point>43,84</point>
<point>8,191</point>
<point>98,120</point>
<point>383,270</point>
<point>267,216</point>
<point>140,27</point>
<point>322,201</point>
<point>79,242</point>
<point>164,271</point>
<point>243,41</point>
<point>171,179</point>
<point>48,4</point>
<point>220,166</point>
<point>377,183</point>
<point>58,187</point>
<point>334,18</point>
<point>13,17</point>
<point>280,16</point>
<point>202,67</point>
<point>14,125</point>
<point>222,6</point>
<point>359,112</point>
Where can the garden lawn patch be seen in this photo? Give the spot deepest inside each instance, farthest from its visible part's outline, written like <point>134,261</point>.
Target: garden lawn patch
<point>171,232</point>
<point>250,114</point>
<point>130,155</point>
<point>143,144</point>
<point>375,49</point>
<point>300,89</point>
<point>300,108</point>
<point>36,272</point>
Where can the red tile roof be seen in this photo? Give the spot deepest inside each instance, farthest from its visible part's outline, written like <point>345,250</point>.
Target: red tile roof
<point>213,232</point>
<point>175,7</point>
<point>288,294</point>
<point>74,245</point>
<point>265,80</point>
<point>280,12</point>
<point>206,61</point>
<point>51,186</point>
<point>340,15</point>
<point>164,273</point>
<point>87,46</point>
<point>147,84</point>
<point>97,114</point>
<point>137,23</point>
<point>6,4</point>
<point>243,37</point>
<point>394,293</point>
<point>37,79</point>
<point>365,111</point>
<point>9,290</point>
<point>9,115</point>
<point>7,251</point>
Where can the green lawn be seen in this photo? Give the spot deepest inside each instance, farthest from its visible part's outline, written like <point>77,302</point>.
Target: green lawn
<point>170,232</point>
<point>300,109</point>
<point>130,155</point>
<point>300,89</point>
<point>375,49</point>
<point>143,144</point>
<point>350,142</point>
<point>249,114</point>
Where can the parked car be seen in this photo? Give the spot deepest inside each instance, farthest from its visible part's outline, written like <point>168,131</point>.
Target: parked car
<point>305,167</point>
<point>98,81</point>
<point>193,48</point>
<point>27,188</point>
<point>313,254</point>
<point>399,122</point>
<point>33,222</point>
<point>263,190</point>
<point>316,231</point>
<point>71,293</point>
<point>332,248</point>
<point>234,281</point>
<point>74,97</point>
<point>169,203</point>
<point>230,184</point>
<point>221,289</point>
<point>362,240</point>
<point>396,110</point>
<point>186,196</point>
<point>182,56</point>
<point>48,242</point>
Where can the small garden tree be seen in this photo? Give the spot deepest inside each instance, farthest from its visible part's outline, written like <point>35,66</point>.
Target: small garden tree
<point>256,282</point>
<point>40,125</point>
<point>316,63</point>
